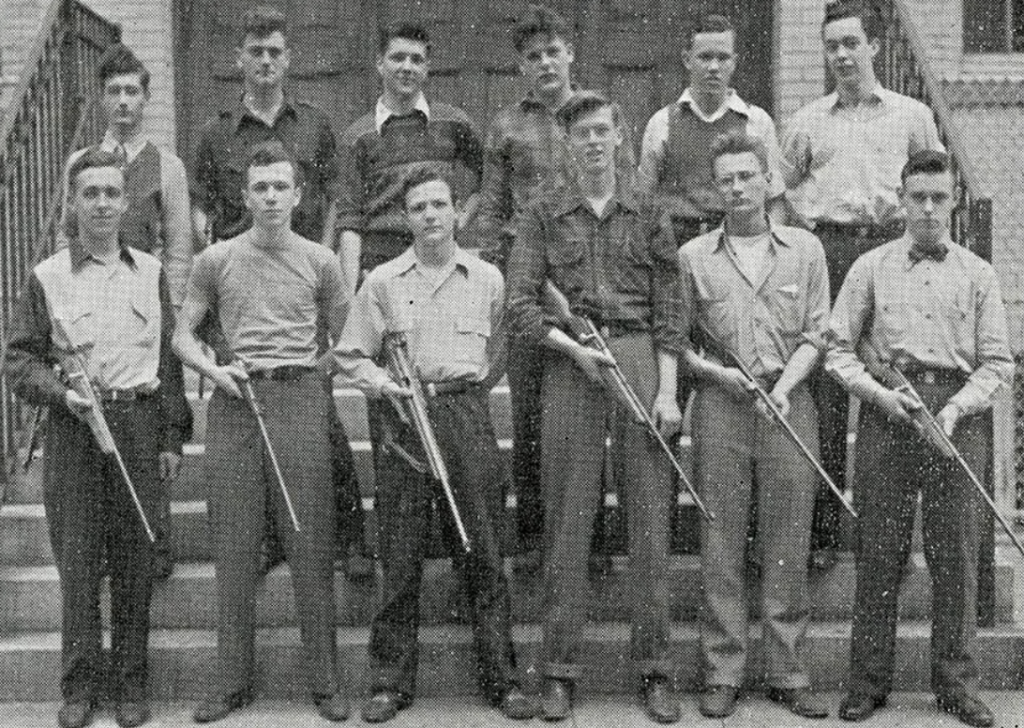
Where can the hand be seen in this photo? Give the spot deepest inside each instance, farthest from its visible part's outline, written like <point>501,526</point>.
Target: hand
<point>227,378</point>
<point>392,388</point>
<point>780,399</point>
<point>897,405</point>
<point>591,361</point>
<point>948,418</point>
<point>666,414</point>
<point>79,405</point>
<point>736,383</point>
<point>170,465</point>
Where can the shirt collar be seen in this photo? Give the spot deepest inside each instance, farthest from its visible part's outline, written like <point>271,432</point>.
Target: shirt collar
<point>571,198</point>
<point>774,236</point>
<point>131,147</point>
<point>907,242</point>
<point>244,112</point>
<point>407,261</point>
<point>382,113</point>
<point>530,100</point>
<point>79,256</point>
<point>732,102</point>
<point>878,92</point>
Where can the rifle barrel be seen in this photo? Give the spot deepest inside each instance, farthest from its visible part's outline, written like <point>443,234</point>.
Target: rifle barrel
<point>250,396</point>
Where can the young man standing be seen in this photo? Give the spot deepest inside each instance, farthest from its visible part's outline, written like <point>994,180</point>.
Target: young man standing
<point>269,290</point>
<point>932,309</point>
<point>101,306</point>
<point>676,150</point>
<point>757,293</point>
<point>447,306</point>
<point>602,249</point>
<point>842,157</point>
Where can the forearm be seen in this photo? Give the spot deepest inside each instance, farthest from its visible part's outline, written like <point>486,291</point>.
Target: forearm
<point>191,352</point>
<point>702,368</point>
<point>668,368</point>
<point>798,368</point>
<point>349,251</point>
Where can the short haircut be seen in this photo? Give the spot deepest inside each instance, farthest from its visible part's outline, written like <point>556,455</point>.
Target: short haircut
<point>422,175</point>
<point>539,20</point>
<point>262,21</point>
<point>271,152</point>
<point>119,60</point>
<point>863,9</point>
<point>406,31</point>
<point>710,24</point>
<point>739,142</point>
<point>91,159</point>
<point>927,161</point>
<point>585,102</point>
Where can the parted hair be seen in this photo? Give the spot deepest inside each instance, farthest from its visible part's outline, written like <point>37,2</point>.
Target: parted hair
<point>863,9</point>
<point>584,102</point>
<point>926,161</point>
<point>738,142</point>
<point>422,175</point>
<point>91,159</point>
<point>405,30</point>
<point>539,20</point>
<point>271,152</point>
<point>710,24</point>
<point>261,21</point>
<point>118,60</point>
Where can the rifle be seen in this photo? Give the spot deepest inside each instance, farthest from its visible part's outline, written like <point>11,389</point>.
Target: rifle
<point>414,410</point>
<point>779,418</point>
<point>930,430</point>
<point>75,371</point>
<point>257,410</point>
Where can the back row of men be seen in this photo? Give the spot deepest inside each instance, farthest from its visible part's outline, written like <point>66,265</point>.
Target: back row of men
<point>686,269</point>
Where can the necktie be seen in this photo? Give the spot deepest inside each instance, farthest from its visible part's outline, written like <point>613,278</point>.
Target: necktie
<point>917,254</point>
<point>122,155</point>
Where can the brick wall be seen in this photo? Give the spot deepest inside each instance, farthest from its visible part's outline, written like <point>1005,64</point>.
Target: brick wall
<point>799,68</point>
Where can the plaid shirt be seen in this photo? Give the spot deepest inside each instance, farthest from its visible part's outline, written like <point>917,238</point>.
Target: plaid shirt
<point>616,268</point>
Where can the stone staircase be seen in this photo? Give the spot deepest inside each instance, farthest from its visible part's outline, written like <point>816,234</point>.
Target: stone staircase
<point>183,641</point>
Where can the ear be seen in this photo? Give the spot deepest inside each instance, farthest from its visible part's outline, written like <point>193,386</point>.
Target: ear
<point>875,45</point>
<point>239,51</point>
<point>570,51</point>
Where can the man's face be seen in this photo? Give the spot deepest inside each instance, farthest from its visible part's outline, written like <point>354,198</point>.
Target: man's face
<point>593,139</point>
<point>403,67</point>
<point>271,195</point>
<point>711,61</point>
<point>124,99</point>
<point>742,182</point>
<point>264,61</point>
<point>929,201</point>
<point>430,212</point>
<point>545,61</point>
<point>847,50</point>
<point>99,201</point>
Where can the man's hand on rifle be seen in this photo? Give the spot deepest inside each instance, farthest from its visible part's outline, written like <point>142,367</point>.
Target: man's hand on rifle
<point>392,388</point>
<point>735,383</point>
<point>897,405</point>
<point>170,465</point>
<point>948,418</point>
<point>79,405</point>
<point>591,361</point>
<point>780,397</point>
<point>227,378</point>
<point>666,414</point>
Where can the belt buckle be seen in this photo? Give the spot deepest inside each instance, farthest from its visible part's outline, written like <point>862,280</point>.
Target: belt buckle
<point>929,377</point>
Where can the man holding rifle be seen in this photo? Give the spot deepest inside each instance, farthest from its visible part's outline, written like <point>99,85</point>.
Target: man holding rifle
<point>927,308</point>
<point>269,289</point>
<point>600,247</point>
<point>440,308</point>
<point>755,301</point>
<point>103,307</point>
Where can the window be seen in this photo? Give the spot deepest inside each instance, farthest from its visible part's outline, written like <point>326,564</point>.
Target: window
<point>993,26</point>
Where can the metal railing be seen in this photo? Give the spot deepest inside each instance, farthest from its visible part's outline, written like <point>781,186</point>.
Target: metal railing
<point>53,111</point>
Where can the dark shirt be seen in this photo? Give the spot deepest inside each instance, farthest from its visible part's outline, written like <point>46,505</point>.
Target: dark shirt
<point>617,268</point>
<point>218,170</point>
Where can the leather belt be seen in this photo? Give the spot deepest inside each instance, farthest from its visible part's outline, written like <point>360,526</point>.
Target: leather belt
<point>455,386</point>
<point>889,230</point>
<point>281,374</point>
<point>131,394</point>
<point>919,374</point>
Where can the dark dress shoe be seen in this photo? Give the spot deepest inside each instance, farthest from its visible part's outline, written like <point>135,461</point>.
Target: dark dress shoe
<point>516,705</point>
<point>75,714</point>
<point>556,699</point>
<point>129,714</point>
<point>800,701</point>
<point>220,706</point>
<point>383,706</point>
<point>967,709</point>
<point>857,707</point>
<point>660,704</point>
<point>333,707</point>
<point>718,701</point>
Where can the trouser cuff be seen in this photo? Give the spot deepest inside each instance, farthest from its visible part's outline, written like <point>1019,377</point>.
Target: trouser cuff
<point>655,669</point>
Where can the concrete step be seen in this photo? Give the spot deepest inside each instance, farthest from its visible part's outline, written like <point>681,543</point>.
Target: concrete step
<point>30,597</point>
<point>183,662</point>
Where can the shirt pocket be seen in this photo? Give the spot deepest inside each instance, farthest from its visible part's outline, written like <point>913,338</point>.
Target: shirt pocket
<point>73,330</point>
<point>716,310</point>
<point>787,305</point>
<point>566,259</point>
<point>471,336</point>
<point>145,319</point>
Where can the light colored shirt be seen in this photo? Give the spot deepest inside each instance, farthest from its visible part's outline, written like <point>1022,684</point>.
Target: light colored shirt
<point>759,125</point>
<point>843,163</point>
<point>450,317</point>
<point>763,319</point>
<point>946,314</point>
<point>270,300</point>
<point>382,112</point>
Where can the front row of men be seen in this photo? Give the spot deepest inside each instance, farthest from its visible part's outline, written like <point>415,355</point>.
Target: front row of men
<point>751,293</point>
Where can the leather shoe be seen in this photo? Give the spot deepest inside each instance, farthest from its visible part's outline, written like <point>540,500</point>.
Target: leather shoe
<point>800,701</point>
<point>857,707</point>
<point>556,699</point>
<point>967,709</point>
<point>718,701</point>
<point>75,714</point>
<point>383,706</point>
<point>659,702</point>
<point>333,707</point>
<point>515,704</point>
<point>220,706</point>
<point>130,714</point>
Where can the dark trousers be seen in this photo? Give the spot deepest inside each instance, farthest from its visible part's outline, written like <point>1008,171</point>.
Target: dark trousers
<point>406,499</point>
<point>242,482</point>
<point>525,370</point>
<point>893,466</point>
<point>577,418</point>
<point>91,515</point>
